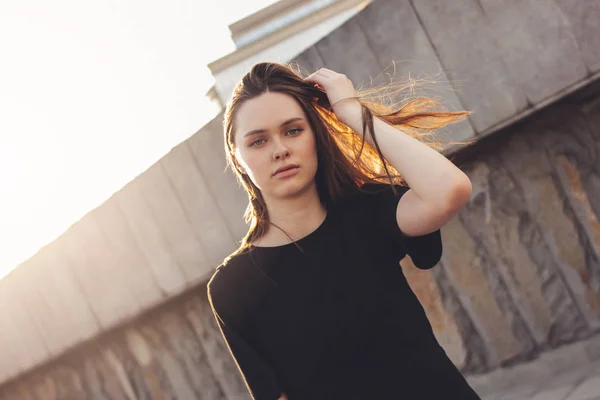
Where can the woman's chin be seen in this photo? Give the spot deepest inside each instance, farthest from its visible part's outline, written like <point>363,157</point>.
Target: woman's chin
<point>292,189</point>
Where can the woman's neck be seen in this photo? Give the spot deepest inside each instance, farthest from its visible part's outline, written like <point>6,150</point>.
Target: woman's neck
<point>297,217</point>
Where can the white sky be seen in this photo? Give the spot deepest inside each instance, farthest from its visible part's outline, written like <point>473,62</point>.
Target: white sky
<point>91,95</point>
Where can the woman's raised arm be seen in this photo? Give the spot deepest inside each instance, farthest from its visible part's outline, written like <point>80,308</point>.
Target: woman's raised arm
<point>438,189</point>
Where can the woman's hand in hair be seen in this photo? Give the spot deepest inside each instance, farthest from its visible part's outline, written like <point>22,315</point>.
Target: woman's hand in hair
<point>340,92</point>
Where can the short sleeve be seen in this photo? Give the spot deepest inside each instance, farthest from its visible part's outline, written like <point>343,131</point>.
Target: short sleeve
<point>259,377</point>
<point>380,204</point>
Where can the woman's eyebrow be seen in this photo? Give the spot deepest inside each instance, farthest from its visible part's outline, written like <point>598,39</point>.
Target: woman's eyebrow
<point>289,121</point>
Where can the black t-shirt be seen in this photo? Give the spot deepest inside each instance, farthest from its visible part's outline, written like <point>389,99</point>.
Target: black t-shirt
<point>336,319</point>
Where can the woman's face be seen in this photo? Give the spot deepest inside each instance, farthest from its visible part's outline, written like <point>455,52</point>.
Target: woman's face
<point>275,145</point>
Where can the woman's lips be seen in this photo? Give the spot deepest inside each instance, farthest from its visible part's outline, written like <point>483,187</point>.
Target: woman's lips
<point>287,172</point>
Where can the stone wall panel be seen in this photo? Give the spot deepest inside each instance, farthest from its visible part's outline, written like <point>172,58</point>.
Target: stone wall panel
<point>465,46</point>
<point>445,328</point>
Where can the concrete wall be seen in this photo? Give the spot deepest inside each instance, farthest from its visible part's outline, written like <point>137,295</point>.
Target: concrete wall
<point>162,233</point>
<point>174,352</point>
<point>520,268</point>
<point>500,59</point>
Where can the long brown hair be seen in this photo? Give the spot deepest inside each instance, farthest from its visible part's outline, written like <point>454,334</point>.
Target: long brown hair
<point>345,160</point>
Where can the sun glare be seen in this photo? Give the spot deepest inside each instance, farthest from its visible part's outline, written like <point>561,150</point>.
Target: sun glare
<point>91,95</point>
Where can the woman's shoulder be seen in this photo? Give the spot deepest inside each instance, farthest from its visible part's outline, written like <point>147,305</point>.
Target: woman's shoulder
<point>237,285</point>
<point>228,272</point>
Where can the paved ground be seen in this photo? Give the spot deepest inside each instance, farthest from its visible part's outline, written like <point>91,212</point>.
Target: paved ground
<point>571,372</point>
<point>578,384</point>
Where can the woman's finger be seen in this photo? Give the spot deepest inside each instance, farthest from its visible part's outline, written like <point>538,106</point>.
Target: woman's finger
<point>327,72</point>
<point>311,77</point>
<point>318,79</point>
<point>323,72</point>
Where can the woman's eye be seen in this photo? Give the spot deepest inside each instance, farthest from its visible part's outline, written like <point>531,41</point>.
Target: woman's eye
<point>257,142</point>
<point>294,131</point>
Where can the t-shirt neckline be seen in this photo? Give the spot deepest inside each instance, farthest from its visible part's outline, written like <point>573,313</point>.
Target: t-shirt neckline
<point>298,241</point>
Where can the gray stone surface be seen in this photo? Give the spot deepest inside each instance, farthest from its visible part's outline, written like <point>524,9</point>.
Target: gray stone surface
<point>208,150</point>
<point>48,298</point>
<point>471,59</point>
<point>535,31</point>
<point>347,51</point>
<point>576,169</point>
<point>26,347</point>
<point>546,226</point>
<point>403,50</point>
<point>97,270</point>
<point>309,61</point>
<point>148,235</point>
<point>466,273</point>
<point>561,385</point>
<point>566,242</point>
<point>176,352</point>
<point>514,272</point>
<point>398,40</point>
<point>576,378</point>
<point>475,343</point>
<point>199,204</point>
<point>591,349</point>
<point>589,389</point>
<point>591,181</point>
<point>525,391</point>
<point>174,223</point>
<point>128,255</point>
<point>444,325</point>
<point>224,369</point>
<point>583,17</point>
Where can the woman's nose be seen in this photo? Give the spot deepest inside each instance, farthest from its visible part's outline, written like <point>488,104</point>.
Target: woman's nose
<point>281,152</point>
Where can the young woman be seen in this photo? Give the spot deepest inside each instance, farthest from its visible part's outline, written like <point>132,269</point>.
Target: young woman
<point>314,304</point>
